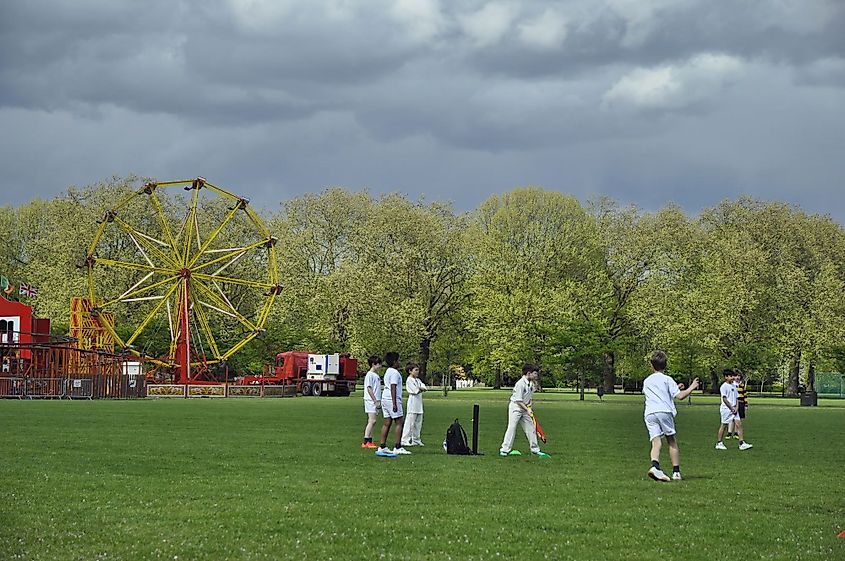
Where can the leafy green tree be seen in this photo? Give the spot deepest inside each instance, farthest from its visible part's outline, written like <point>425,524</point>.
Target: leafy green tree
<point>532,252</point>
<point>413,260</point>
<point>317,264</point>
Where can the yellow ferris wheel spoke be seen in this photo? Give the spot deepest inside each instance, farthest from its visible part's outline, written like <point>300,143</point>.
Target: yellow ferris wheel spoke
<point>148,242</point>
<point>232,254</point>
<point>240,345</point>
<point>272,265</point>
<point>155,361</point>
<point>204,362</point>
<point>223,192</point>
<point>177,182</point>
<point>175,328</point>
<point>133,266</point>
<point>257,222</point>
<point>189,221</point>
<point>223,306</point>
<point>205,327</point>
<point>232,280</point>
<point>231,214</point>
<point>271,244</point>
<point>268,306</point>
<point>152,314</point>
<point>165,225</point>
<point>100,229</point>
<point>131,294</point>
<point>223,295</point>
<point>90,276</point>
<point>123,202</point>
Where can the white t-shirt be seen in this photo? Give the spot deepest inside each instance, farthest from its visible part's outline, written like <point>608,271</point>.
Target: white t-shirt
<point>660,391</point>
<point>392,376</point>
<point>523,391</point>
<point>372,380</point>
<point>414,387</point>
<point>727,391</point>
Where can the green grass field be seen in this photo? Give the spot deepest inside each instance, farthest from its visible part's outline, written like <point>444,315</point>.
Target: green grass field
<point>286,479</point>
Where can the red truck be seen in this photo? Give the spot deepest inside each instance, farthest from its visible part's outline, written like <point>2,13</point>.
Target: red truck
<point>313,374</point>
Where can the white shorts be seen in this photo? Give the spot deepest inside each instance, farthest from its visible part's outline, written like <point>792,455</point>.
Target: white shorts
<point>387,408</point>
<point>727,416</point>
<point>370,407</point>
<point>659,424</point>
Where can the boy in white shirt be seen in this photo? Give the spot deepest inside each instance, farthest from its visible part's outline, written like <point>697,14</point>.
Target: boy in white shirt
<point>741,385</point>
<point>728,411</point>
<point>414,416</point>
<point>660,392</point>
<point>519,412</point>
<point>372,400</point>
<point>391,407</point>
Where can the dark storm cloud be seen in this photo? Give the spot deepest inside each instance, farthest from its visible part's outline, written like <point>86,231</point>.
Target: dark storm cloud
<point>685,100</point>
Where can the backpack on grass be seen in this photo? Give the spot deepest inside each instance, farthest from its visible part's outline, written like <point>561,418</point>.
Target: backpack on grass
<point>456,440</point>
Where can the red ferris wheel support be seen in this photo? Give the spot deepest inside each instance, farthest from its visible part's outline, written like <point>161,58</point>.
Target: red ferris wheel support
<point>183,340</point>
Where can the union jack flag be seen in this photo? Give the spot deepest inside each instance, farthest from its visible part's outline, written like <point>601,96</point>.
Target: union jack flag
<point>28,290</point>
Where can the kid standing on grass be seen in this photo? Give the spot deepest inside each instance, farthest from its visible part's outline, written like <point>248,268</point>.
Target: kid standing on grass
<point>413,420</point>
<point>660,392</point>
<point>391,407</point>
<point>520,413</point>
<point>728,411</point>
<point>741,385</point>
<point>372,400</point>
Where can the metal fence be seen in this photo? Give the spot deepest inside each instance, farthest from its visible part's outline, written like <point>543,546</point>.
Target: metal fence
<point>13,387</point>
<point>45,388</point>
<point>830,384</point>
<point>95,387</point>
<point>79,388</point>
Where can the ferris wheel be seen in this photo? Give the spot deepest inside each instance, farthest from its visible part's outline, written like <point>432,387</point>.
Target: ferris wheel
<point>189,276</point>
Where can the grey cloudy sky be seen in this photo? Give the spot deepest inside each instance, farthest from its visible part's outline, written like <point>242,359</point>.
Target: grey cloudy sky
<point>646,101</point>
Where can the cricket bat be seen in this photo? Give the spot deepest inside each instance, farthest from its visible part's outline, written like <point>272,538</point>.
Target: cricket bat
<point>540,434</point>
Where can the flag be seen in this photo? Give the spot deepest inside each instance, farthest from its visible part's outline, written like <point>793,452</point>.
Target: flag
<point>27,290</point>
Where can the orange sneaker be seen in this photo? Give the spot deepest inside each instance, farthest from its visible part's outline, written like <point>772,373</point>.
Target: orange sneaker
<point>369,445</point>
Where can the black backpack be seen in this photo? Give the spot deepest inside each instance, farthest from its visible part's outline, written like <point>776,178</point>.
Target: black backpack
<point>456,440</point>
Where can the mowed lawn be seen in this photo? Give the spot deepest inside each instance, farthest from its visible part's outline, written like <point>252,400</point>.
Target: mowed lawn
<point>286,479</point>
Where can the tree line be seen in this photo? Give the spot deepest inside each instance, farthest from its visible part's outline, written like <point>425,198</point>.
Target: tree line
<point>587,290</point>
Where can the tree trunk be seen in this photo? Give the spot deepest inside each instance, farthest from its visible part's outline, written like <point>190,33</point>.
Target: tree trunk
<point>425,353</point>
<point>794,372</point>
<point>714,381</point>
<point>498,383</point>
<point>581,386</point>
<point>811,378</point>
<point>609,371</point>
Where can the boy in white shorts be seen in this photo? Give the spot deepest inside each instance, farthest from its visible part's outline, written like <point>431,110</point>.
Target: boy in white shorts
<point>372,400</point>
<point>391,407</point>
<point>414,417</point>
<point>729,411</point>
<point>660,392</point>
